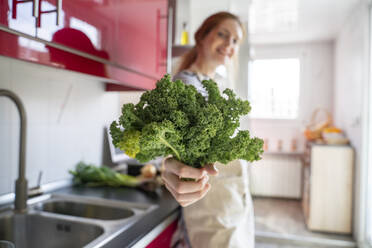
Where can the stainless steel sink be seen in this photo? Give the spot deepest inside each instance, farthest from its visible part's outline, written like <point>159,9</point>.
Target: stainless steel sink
<point>59,220</point>
<point>86,210</point>
<point>34,230</point>
<point>6,244</point>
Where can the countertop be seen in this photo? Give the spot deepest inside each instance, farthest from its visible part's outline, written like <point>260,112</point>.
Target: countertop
<point>165,201</point>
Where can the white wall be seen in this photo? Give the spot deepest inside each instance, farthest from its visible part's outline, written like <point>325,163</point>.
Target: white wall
<point>66,114</point>
<point>199,12</point>
<point>129,97</point>
<point>351,85</point>
<point>316,89</point>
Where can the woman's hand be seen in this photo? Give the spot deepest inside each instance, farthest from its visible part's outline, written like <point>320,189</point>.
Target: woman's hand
<point>186,192</point>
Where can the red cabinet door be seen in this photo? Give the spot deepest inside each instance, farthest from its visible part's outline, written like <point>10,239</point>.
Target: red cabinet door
<point>142,36</point>
<point>87,26</point>
<point>163,240</point>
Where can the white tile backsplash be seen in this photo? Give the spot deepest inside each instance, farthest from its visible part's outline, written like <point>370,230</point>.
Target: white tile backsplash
<point>5,180</point>
<point>6,83</point>
<point>66,112</point>
<point>59,103</point>
<point>63,151</point>
<point>36,151</point>
<point>4,73</point>
<point>33,95</point>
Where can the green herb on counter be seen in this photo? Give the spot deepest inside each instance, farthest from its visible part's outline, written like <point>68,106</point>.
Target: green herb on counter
<point>175,119</point>
<point>91,175</point>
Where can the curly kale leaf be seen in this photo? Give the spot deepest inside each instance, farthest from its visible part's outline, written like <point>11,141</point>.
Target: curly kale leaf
<point>175,119</point>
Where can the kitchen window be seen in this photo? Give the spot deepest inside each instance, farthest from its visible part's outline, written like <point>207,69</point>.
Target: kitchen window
<point>274,88</point>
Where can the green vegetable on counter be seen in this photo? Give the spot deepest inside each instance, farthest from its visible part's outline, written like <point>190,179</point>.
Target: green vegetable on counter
<point>91,175</point>
<point>175,119</point>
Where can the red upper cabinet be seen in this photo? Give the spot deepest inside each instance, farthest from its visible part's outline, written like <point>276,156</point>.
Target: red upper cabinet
<point>87,26</point>
<point>142,32</point>
<point>122,40</point>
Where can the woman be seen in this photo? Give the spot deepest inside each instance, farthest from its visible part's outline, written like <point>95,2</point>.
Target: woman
<point>224,216</point>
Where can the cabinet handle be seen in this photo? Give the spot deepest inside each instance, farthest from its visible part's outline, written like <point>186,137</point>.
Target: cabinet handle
<point>58,10</point>
<point>35,9</point>
<point>169,40</point>
<point>157,42</point>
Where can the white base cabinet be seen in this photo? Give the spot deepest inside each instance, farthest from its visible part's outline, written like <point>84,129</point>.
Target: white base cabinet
<point>328,188</point>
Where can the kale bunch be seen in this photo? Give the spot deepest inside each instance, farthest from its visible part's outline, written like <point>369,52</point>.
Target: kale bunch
<point>91,175</point>
<point>175,119</point>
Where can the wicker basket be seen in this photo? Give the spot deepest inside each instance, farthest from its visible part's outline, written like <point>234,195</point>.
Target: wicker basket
<point>313,130</point>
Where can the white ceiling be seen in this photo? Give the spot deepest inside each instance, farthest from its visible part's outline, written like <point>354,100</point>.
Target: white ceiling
<point>290,21</point>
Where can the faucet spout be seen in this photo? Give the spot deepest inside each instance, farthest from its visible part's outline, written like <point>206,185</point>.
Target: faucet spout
<point>21,183</point>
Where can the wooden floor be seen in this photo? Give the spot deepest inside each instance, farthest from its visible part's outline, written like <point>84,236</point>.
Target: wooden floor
<point>279,223</point>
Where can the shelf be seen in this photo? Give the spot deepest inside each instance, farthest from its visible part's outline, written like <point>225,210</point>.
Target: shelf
<point>178,50</point>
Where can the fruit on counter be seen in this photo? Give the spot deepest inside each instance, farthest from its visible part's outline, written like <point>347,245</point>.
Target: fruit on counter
<point>175,119</point>
<point>91,175</point>
<point>334,136</point>
<point>148,171</point>
<point>332,130</point>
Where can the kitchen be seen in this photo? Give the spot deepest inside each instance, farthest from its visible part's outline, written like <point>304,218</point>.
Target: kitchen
<point>68,104</point>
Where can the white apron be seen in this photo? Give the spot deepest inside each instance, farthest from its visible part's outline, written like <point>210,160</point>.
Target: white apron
<point>224,217</point>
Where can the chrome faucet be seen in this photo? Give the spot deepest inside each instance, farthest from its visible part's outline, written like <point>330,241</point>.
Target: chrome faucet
<point>20,203</point>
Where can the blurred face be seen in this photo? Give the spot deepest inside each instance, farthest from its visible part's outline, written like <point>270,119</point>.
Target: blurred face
<point>221,43</point>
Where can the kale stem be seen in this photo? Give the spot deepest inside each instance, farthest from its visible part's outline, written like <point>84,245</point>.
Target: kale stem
<point>171,147</point>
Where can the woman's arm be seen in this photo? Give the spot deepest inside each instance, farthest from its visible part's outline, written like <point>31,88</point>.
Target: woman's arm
<point>186,192</point>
